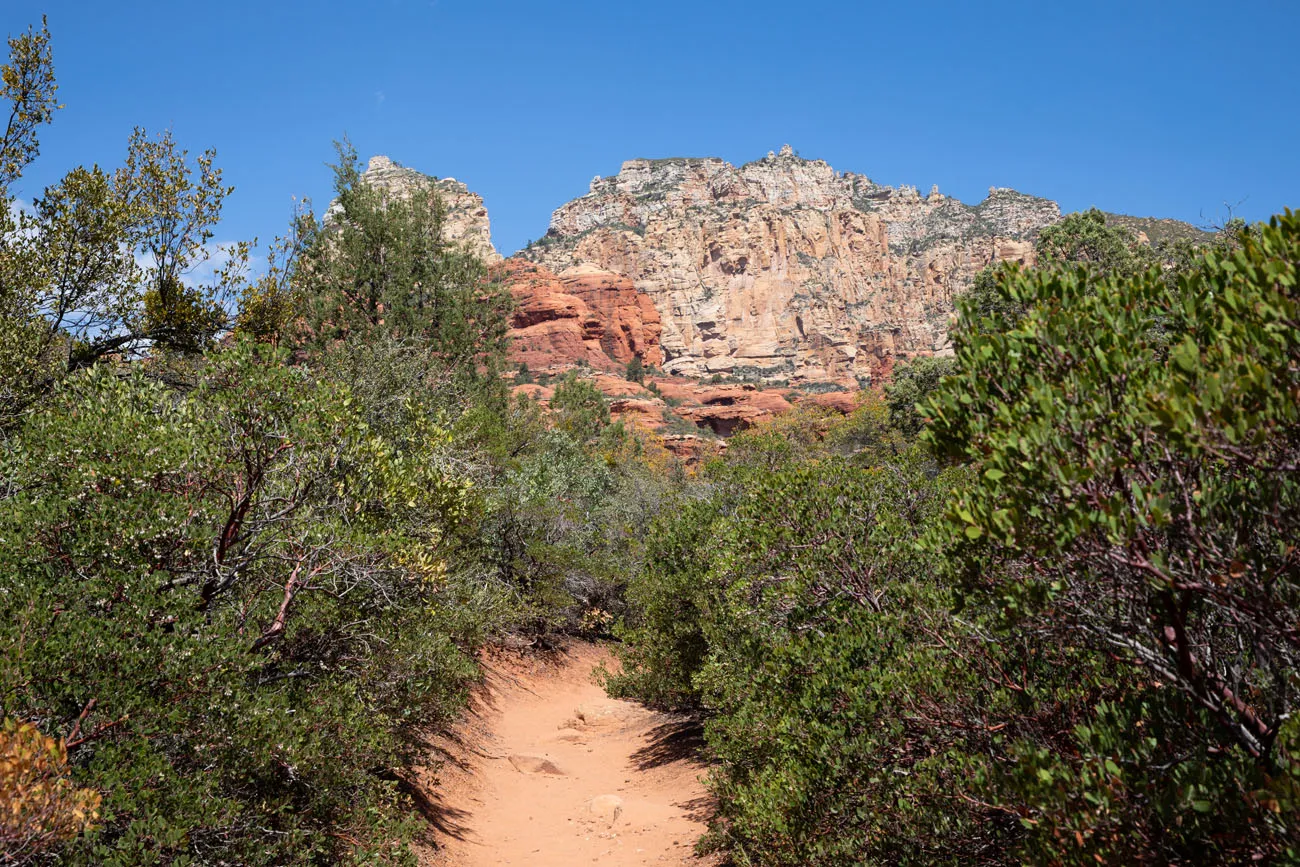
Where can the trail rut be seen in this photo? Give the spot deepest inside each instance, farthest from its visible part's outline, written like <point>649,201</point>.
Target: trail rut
<point>548,771</point>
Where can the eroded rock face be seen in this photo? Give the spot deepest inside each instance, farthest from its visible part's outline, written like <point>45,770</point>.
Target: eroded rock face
<point>466,220</point>
<point>784,268</point>
<point>722,410</point>
<point>584,314</point>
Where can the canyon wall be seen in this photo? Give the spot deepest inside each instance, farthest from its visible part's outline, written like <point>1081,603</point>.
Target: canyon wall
<point>784,269</point>
<point>583,315</point>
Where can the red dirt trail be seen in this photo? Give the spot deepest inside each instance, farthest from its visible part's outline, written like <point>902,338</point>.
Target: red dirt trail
<point>548,771</point>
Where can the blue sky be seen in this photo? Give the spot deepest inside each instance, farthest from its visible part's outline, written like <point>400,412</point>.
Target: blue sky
<point>1150,108</point>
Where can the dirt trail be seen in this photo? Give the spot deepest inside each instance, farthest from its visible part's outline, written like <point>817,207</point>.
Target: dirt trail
<point>550,772</point>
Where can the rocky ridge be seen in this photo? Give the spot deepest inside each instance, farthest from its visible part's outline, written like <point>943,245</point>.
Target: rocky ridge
<point>783,268</point>
<point>790,282</point>
<point>1159,230</point>
<point>466,220</point>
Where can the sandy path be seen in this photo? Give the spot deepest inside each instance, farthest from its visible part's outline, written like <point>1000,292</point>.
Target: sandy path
<point>550,772</point>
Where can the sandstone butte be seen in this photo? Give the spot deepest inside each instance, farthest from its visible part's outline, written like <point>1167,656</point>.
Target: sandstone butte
<point>781,272</point>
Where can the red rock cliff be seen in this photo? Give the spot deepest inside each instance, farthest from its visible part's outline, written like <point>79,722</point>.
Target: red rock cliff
<point>584,314</point>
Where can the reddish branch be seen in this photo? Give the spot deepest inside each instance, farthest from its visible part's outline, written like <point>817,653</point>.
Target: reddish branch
<point>76,738</point>
<point>291,587</point>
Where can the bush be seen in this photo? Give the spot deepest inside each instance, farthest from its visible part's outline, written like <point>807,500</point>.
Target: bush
<point>42,807</point>
<point>796,612</point>
<point>234,594</point>
<point>579,408</point>
<point>636,370</point>
<point>911,385</point>
<point>1136,440</point>
<point>822,677</point>
<point>1084,238</point>
<point>663,645</point>
<point>558,523</point>
<point>1074,646</point>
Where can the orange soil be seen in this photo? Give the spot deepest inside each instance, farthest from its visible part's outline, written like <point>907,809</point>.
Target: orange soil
<point>548,771</point>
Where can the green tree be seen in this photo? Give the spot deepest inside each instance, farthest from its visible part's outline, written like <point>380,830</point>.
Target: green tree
<point>234,596</point>
<point>104,258</point>
<point>173,208</point>
<point>100,265</point>
<point>982,306</point>
<point>29,90</point>
<point>1083,238</point>
<point>635,370</point>
<point>380,266</point>
<point>1135,440</point>
<point>269,307</point>
<point>866,434</point>
<point>579,408</point>
<point>230,582</point>
<point>909,386</point>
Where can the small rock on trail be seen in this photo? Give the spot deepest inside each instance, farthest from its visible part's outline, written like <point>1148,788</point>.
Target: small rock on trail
<point>607,807</point>
<point>548,771</point>
<point>535,765</point>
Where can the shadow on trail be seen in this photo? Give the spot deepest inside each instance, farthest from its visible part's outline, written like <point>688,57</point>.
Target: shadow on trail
<point>675,740</point>
<point>701,809</point>
<point>454,746</point>
<point>443,819</point>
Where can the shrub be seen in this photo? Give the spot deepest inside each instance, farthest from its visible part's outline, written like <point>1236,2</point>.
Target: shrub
<point>234,593</point>
<point>1136,440</point>
<point>1084,238</point>
<point>911,384</point>
<point>663,640</point>
<point>42,807</point>
<point>635,370</point>
<point>795,610</point>
<point>579,408</point>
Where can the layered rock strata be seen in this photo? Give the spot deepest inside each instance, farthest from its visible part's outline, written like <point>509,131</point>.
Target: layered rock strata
<point>583,315</point>
<point>784,269</point>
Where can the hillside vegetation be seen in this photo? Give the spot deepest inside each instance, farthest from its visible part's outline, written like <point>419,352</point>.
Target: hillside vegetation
<point>253,531</point>
<point>1038,606</point>
<point>1036,602</point>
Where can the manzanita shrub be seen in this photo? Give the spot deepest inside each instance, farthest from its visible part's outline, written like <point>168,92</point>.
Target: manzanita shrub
<point>230,591</point>
<point>1136,444</point>
<point>795,609</point>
